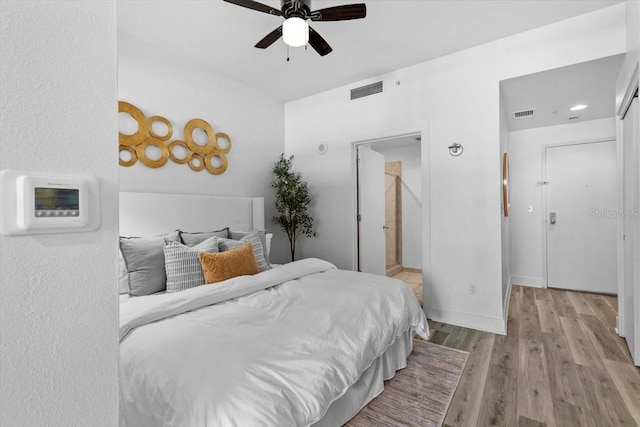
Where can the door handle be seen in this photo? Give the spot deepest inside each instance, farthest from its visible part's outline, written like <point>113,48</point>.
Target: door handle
<point>552,217</point>
<point>385,227</point>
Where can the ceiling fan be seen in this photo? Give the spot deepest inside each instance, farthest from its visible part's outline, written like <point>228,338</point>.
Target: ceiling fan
<point>296,30</point>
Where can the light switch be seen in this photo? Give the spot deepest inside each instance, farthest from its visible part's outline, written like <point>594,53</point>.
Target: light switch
<point>530,209</point>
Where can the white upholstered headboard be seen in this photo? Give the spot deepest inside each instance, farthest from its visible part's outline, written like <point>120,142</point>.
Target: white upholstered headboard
<point>151,214</point>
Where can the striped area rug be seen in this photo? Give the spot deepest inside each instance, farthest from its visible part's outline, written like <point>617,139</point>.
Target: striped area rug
<point>420,394</point>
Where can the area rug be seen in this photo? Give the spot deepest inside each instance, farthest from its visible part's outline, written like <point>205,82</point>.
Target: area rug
<point>420,394</point>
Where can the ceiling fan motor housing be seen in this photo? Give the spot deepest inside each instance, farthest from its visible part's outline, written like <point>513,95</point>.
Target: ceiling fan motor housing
<point>296,8</point>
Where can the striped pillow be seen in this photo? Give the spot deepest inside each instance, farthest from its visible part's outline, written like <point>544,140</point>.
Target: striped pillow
<point>258,251</point>
<point>182,264</point>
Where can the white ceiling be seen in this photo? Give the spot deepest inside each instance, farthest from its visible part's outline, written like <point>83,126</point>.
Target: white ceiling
<point>552,93</point>
<point>395,34</point>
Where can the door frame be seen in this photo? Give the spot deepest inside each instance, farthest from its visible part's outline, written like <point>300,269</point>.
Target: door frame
<point>426,205</point>
<point>543,194</point>
<point>627,99</point>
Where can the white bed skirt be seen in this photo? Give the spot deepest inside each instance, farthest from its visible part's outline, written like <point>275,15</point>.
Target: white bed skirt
<point>370,384</point>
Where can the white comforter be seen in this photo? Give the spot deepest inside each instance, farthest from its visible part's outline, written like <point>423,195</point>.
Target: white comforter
<point>248,353</point>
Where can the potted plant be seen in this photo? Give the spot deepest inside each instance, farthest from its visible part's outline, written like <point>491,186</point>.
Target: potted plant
<point>292,203</point>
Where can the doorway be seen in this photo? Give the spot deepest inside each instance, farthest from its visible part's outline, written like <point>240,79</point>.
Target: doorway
<point>389,209</point>
<point>579,216</point>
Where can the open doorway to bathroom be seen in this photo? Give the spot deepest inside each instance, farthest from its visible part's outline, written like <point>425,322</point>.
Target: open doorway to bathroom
<point>390,209</point>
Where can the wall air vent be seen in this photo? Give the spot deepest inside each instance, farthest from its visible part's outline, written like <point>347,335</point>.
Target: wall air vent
<point>523,114</point>
<point>367,90</point>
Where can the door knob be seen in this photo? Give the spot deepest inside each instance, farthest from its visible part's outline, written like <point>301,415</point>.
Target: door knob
<point>552,217</point>
<point>384,227</point>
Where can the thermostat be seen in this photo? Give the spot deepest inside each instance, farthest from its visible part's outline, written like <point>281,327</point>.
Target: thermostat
<point>34,203</point>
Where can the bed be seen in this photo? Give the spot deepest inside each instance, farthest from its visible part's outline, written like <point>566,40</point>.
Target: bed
<point>302,344</point>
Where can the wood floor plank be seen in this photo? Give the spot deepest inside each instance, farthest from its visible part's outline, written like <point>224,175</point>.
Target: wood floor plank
<point>564,380</point>
<point>608,407</point>
<point>534,396</point>
<point>609,345</point>
<point>626,377</point>
<point>529,320</point>
<point>500,403</point>
<point>528,422</point>
<point>438,337</point>
<point>582,349</point>
<point>581,304</point>
<point>549,321</point>
<point>465,405</point>
<point>570,415</point>
<point>564,304</point>
<point>603,310</point>
<point>513,317</point>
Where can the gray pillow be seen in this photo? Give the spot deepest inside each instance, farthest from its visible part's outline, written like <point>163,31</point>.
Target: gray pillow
<point>192,239</point>
<point>258,251</point>
<point>123,276</point>
<point>238,235</point>
<point>182,264</point>
<point>144,259</point>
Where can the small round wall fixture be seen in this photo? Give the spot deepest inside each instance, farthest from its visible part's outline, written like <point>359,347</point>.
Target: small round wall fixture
<point>455,149</point>
<point>322,148</point>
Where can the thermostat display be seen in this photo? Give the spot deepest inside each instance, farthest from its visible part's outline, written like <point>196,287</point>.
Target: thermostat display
<point>56,202</point>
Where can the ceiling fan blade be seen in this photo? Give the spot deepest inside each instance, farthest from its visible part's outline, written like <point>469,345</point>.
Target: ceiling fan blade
<point>318,43</point>
<point>340,13</point>
<point>250,4</point>
<point>270,38</point>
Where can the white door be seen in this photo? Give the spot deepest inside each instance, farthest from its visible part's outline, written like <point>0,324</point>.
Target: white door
<point>371,246</point>
<point>580,217</point>
<point>631,231</point>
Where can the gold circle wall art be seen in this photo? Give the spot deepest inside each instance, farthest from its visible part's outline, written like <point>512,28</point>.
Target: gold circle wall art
<point>210,155</point>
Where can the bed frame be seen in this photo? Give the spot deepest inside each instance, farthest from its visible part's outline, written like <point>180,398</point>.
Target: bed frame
<point>152,214</point>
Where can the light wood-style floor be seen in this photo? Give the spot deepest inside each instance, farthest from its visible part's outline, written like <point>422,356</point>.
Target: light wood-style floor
<point>414,279</point>
<point>561,364</point>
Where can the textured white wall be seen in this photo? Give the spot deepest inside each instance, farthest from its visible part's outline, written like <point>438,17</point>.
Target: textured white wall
<point>525,157</point>
<point>411,201</point>
<point>160,82</point>
<point>59,304</point>
<point>450,99</point>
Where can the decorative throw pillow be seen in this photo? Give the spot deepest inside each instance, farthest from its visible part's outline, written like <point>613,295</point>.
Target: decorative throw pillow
<point>123,276</point>
<point>258,251</point>
<point>239,235</point>
<point>226,265</point>
<point>192,239</point>
<point>144,259</point>
<point>183,265</point>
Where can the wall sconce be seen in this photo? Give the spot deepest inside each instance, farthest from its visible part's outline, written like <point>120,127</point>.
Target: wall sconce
<point>455,149</point>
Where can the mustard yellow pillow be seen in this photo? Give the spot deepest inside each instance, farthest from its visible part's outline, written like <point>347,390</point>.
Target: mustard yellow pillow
<point>226,265</point>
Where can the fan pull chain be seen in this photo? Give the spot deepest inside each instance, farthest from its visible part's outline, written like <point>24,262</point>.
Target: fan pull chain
<point>288,53</point>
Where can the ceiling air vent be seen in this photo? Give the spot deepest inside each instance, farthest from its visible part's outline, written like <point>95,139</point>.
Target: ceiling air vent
<point>367,90</point>
<point>523,114</point>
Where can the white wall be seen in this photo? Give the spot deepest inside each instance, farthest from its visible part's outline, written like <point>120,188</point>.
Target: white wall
<point>525,157</point>
<point>162,83</point>
<point>59,304</point>
<point>409,155</point>
<point>505,220</point>
<point>450,99</point>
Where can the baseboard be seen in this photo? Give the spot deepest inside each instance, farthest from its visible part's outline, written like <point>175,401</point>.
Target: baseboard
<point>534,282</point>
<point>471,321</point>
<point>412,270</point>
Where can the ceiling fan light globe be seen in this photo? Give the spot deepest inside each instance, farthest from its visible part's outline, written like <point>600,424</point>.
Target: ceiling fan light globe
<point>295,32</point>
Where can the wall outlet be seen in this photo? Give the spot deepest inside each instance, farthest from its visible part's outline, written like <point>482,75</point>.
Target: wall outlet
<point>472,289</point>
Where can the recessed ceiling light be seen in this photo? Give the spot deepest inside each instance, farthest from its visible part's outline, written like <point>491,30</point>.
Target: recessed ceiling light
<point>578,107</point>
